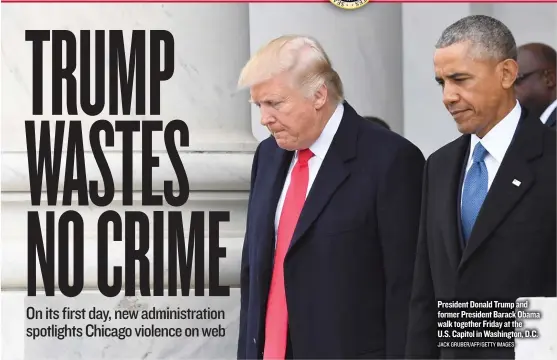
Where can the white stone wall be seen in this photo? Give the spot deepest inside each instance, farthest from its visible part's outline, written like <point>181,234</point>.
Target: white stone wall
<point>383,53</point>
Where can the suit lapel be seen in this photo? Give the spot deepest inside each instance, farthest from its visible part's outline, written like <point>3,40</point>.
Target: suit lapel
<point>332,173</point>
<point>450,191</point>
<point>551,120</point>
<point>514,178</point>
<point>274,182</point>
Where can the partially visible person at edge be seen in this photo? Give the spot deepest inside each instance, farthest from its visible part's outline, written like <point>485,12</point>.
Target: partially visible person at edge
<point>536,83</point>
<point>487,228</point>
<point>332,218</point>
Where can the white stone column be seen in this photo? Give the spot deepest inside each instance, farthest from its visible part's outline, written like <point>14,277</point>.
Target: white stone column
<point>211,46</point>
<point>529,22</point>
<point>426,121</point>
<point>364,46</point>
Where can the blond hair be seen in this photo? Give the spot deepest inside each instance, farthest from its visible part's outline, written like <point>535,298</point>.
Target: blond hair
<point>301,56</point>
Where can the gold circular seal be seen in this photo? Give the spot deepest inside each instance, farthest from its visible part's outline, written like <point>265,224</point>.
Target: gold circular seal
<point>349,4</point>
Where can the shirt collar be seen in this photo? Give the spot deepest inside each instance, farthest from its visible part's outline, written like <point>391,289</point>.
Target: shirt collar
<point>498,139</point>
<point>548,112</point>
<point>323,142</point>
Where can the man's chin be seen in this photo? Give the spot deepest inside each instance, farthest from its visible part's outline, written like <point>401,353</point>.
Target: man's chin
<point>285,145</point>
<point>465,130</point>
<point>464,127</point>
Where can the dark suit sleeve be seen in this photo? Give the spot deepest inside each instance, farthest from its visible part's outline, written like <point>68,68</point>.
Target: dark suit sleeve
<point>244,269</point>
<point>422,325</point>
<point>399,202</point>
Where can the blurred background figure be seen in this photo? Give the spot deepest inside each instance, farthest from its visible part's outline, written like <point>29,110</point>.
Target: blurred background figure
<point>535,84</point>
<point>378,121</point>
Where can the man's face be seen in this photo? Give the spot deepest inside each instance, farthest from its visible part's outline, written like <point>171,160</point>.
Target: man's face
<point>531,87</point>
<point>292,118</point>
<point>472,89</point>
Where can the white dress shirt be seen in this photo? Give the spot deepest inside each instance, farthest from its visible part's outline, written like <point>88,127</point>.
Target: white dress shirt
<point>496,142</point>
<point>548,112</point>
<point>319,149</point>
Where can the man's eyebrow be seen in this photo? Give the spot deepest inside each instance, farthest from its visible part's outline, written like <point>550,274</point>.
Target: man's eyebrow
<point>452,76</point>
<point>457,75</point>
<point>267,99</point>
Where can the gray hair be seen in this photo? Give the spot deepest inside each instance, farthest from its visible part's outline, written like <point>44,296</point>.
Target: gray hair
<point>489,37</point>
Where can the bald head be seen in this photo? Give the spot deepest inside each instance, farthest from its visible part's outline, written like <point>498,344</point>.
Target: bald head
<point>535,84</point>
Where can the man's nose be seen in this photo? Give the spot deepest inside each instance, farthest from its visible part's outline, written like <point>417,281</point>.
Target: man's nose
<point>266,118</point>
<point>450,96</point>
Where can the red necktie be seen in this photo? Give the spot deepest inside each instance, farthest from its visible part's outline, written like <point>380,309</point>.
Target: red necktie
<point>276,324</point>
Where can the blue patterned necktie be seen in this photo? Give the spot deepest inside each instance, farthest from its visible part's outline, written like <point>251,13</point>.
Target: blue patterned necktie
<point>475,190</point>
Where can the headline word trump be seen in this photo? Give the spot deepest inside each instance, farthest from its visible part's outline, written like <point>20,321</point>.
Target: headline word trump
<point>46,145</point>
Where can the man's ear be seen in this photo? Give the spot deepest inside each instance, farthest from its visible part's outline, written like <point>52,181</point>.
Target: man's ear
<point>509,72</point>
<point>320,97</point>
<point>549,78</point>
